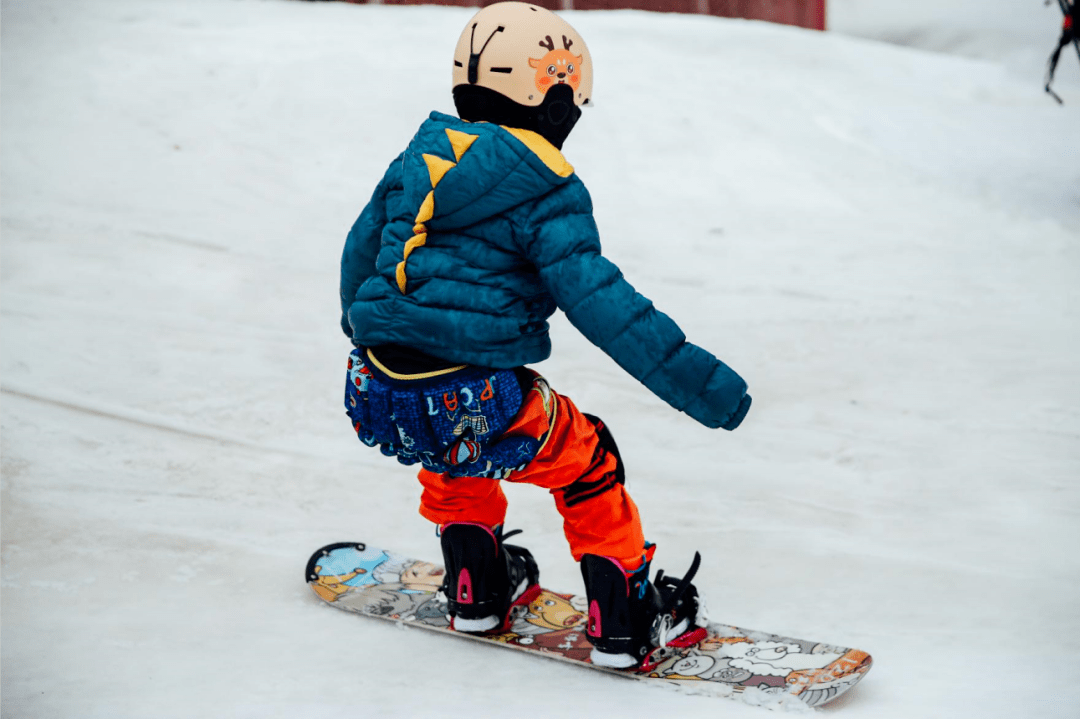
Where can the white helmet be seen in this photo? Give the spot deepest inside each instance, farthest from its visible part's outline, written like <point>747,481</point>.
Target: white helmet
<point>521,65</point>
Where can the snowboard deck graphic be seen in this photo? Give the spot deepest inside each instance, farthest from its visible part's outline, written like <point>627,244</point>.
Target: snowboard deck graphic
<point>727,661</point>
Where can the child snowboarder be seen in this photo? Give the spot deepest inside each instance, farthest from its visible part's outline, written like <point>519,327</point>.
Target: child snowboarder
<point>476,234</point>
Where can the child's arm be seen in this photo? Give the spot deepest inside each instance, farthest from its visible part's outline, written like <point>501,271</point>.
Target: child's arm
<point>564,244</point>
<point>365,238</point>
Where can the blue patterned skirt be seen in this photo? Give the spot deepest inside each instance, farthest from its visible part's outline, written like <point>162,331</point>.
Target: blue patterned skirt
<point>451,421</point>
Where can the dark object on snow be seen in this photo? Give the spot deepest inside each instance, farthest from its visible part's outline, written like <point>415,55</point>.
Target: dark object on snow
<point>1068,35</point>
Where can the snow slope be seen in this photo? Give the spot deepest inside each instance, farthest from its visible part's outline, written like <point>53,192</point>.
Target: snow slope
<point>884,241</point>
<point>1020,34</point>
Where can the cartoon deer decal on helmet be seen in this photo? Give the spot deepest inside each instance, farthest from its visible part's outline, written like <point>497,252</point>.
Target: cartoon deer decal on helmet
<point>557,67</point>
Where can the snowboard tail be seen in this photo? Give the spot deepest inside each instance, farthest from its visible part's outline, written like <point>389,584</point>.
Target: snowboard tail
<point>720,659</point>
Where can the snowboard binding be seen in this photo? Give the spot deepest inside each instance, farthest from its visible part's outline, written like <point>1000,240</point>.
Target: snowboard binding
<point>488,583</point>
<point>634,623</point>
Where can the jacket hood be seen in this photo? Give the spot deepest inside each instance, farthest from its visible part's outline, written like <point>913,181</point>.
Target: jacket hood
<point>459,173</point>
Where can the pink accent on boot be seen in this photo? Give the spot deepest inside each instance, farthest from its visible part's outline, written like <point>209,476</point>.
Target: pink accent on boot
<point>626,573</point>
<point>594,619</point>
<point>464,587</point>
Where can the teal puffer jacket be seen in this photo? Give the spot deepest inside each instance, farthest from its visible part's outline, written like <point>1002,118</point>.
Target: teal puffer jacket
<point>473,238</point>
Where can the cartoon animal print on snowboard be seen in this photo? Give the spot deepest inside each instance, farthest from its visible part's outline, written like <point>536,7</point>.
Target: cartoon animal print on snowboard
<point>776,659</point>
<point>344,567</point>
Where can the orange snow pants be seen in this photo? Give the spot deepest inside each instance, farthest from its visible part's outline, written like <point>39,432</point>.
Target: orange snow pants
<point>578,463</point>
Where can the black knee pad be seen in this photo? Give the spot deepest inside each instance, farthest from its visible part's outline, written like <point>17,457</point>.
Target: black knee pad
<point>582,490</point>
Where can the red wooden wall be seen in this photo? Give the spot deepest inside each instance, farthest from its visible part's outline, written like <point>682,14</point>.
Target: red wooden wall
<point>804,13</point>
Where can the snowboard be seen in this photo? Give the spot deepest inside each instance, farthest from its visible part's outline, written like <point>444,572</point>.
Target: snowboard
<point>719,659</point>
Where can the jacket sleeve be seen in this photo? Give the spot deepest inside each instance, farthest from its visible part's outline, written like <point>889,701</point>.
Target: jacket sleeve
<point>562,241</point>
<point>362,244</point>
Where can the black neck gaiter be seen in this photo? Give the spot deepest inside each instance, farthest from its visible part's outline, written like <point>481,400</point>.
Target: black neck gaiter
<point>553,119</point>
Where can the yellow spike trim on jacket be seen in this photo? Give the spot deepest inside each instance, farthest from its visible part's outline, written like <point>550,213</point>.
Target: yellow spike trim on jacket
<point>437,169</point>
<point>460,141</point>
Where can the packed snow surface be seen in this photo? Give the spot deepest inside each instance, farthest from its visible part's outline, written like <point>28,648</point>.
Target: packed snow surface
<point>883,240</point>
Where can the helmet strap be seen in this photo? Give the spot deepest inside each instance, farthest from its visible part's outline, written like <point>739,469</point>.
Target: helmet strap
<point>474,57</point>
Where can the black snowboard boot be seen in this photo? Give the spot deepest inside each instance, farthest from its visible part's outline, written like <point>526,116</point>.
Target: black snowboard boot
<point>485,579</point>
<point>631,618</point>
